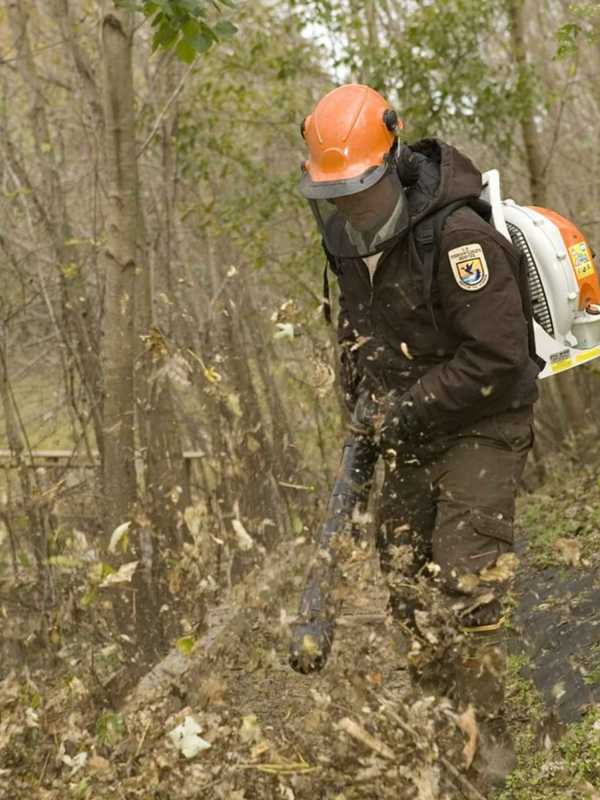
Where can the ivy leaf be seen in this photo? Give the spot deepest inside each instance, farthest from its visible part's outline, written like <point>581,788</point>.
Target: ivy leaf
<point>150,9</point>
<point>185,51</point>
<point>567,39</point>
<point>164,36</point>
<point>195,35</point>
<point>225,28</point>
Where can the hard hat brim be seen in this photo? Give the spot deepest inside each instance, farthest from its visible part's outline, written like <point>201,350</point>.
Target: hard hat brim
<point>330,190</point>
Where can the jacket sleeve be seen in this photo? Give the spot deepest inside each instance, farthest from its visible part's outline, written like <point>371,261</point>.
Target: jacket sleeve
<point>487,322</point>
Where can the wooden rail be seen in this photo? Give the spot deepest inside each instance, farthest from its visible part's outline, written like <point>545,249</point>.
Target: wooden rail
<point>72,460</point>
<point>69,455</point>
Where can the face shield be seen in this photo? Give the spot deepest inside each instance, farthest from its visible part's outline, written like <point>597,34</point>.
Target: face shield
<point>356,221</point>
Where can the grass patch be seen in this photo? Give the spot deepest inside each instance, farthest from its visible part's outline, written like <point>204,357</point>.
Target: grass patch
<point>567,507</point>
<point>42,407</point>
<point>567,769</point>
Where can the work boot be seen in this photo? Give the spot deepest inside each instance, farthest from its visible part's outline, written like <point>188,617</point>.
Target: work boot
<point>480,683</point>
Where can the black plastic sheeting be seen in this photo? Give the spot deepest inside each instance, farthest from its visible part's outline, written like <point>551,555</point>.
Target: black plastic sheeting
<point>557,627</point>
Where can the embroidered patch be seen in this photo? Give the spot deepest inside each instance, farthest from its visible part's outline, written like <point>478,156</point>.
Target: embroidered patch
<point>469,267</point>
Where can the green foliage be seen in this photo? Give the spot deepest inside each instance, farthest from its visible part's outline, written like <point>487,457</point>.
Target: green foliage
<point>110,728</point>
<point>567,509</point>
<point>185,25</point>
<point>433,61</point>
<point>585,26</point>
<point>185,644</point>
<point>572,765</point>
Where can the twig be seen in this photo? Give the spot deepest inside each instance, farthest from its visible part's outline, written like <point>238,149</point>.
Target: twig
<point>44,768</point>
<point>357,732</point>
<point>166,107</point>
<point>138,749</point>
<point>464,783</point>
<point>296,486</point>
<point>280,769</point>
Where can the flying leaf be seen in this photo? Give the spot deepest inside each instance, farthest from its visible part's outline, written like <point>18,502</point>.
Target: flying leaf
<point>285,330</point>
<point>123,575</point>
<point>211,375</point>
<point>119,535</point>
<point>244,540</point>
<point>468,725</point>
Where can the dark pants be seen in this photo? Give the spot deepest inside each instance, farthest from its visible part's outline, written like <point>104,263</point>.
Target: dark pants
<point>453,501</point>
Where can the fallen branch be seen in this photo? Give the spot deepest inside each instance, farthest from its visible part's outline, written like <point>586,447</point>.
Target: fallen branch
<point>357,732</point>
<point>176,668</point>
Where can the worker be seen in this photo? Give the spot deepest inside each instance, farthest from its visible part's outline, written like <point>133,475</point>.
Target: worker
<point>436,357</point>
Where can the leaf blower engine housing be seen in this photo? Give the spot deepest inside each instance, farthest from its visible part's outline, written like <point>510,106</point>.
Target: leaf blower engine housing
<point>563,279</point>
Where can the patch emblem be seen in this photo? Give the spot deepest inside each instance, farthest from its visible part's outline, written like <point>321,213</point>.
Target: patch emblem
<point>469,267</point>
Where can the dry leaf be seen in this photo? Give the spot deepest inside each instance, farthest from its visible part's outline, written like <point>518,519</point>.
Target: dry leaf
<point>186,738</point>
<point>119,534</point>
<point>587,791</point>
<point>244,540</point>
<point>503,570</point>
<point>468,725</point>
<point>250,730</point>
<point>567,551</point>
<point>123,575</point>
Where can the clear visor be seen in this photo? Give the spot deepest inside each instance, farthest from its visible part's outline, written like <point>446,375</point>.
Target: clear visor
<point>365,223</point>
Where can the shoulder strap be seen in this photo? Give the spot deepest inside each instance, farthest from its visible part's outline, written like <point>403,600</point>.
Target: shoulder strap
<point>428,234</point>
<point>523,282</point>
<point>326,301</point>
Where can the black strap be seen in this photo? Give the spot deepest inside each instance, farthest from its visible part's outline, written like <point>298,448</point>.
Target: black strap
<point>326,301</point>
<point>335,268</point>
<point>428,236</point>
<point>523,282</point>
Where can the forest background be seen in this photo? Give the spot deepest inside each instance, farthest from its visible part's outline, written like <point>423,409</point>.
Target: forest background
<point>160,310</point>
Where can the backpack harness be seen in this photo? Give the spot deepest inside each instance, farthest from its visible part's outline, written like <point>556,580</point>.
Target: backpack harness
<point>427,235</point>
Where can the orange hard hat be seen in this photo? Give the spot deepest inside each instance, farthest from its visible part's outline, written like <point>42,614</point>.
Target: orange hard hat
<point>350,135</point>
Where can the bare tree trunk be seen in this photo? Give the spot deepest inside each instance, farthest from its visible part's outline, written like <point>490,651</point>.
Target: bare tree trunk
<point>128,319</point>
<point>120,264</point>
<point>534,153</point>
<point>34,511</point>
<point>78,330</point>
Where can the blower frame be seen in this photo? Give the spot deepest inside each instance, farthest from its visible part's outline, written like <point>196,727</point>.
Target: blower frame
<point>563,279</point>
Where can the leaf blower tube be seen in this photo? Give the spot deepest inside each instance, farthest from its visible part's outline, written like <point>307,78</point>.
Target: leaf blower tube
<point>312,633</point>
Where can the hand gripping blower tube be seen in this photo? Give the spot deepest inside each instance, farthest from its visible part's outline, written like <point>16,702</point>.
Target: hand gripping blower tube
<point>312,632</point>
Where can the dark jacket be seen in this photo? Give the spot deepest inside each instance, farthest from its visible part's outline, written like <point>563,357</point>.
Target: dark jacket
<point>459,354</point>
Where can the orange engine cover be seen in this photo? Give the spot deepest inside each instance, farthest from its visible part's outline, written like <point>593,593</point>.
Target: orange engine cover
<point>580,255</point>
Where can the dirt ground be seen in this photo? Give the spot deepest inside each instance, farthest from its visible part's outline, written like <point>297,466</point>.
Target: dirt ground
<point>358,729</point>
<point>224,717</point>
